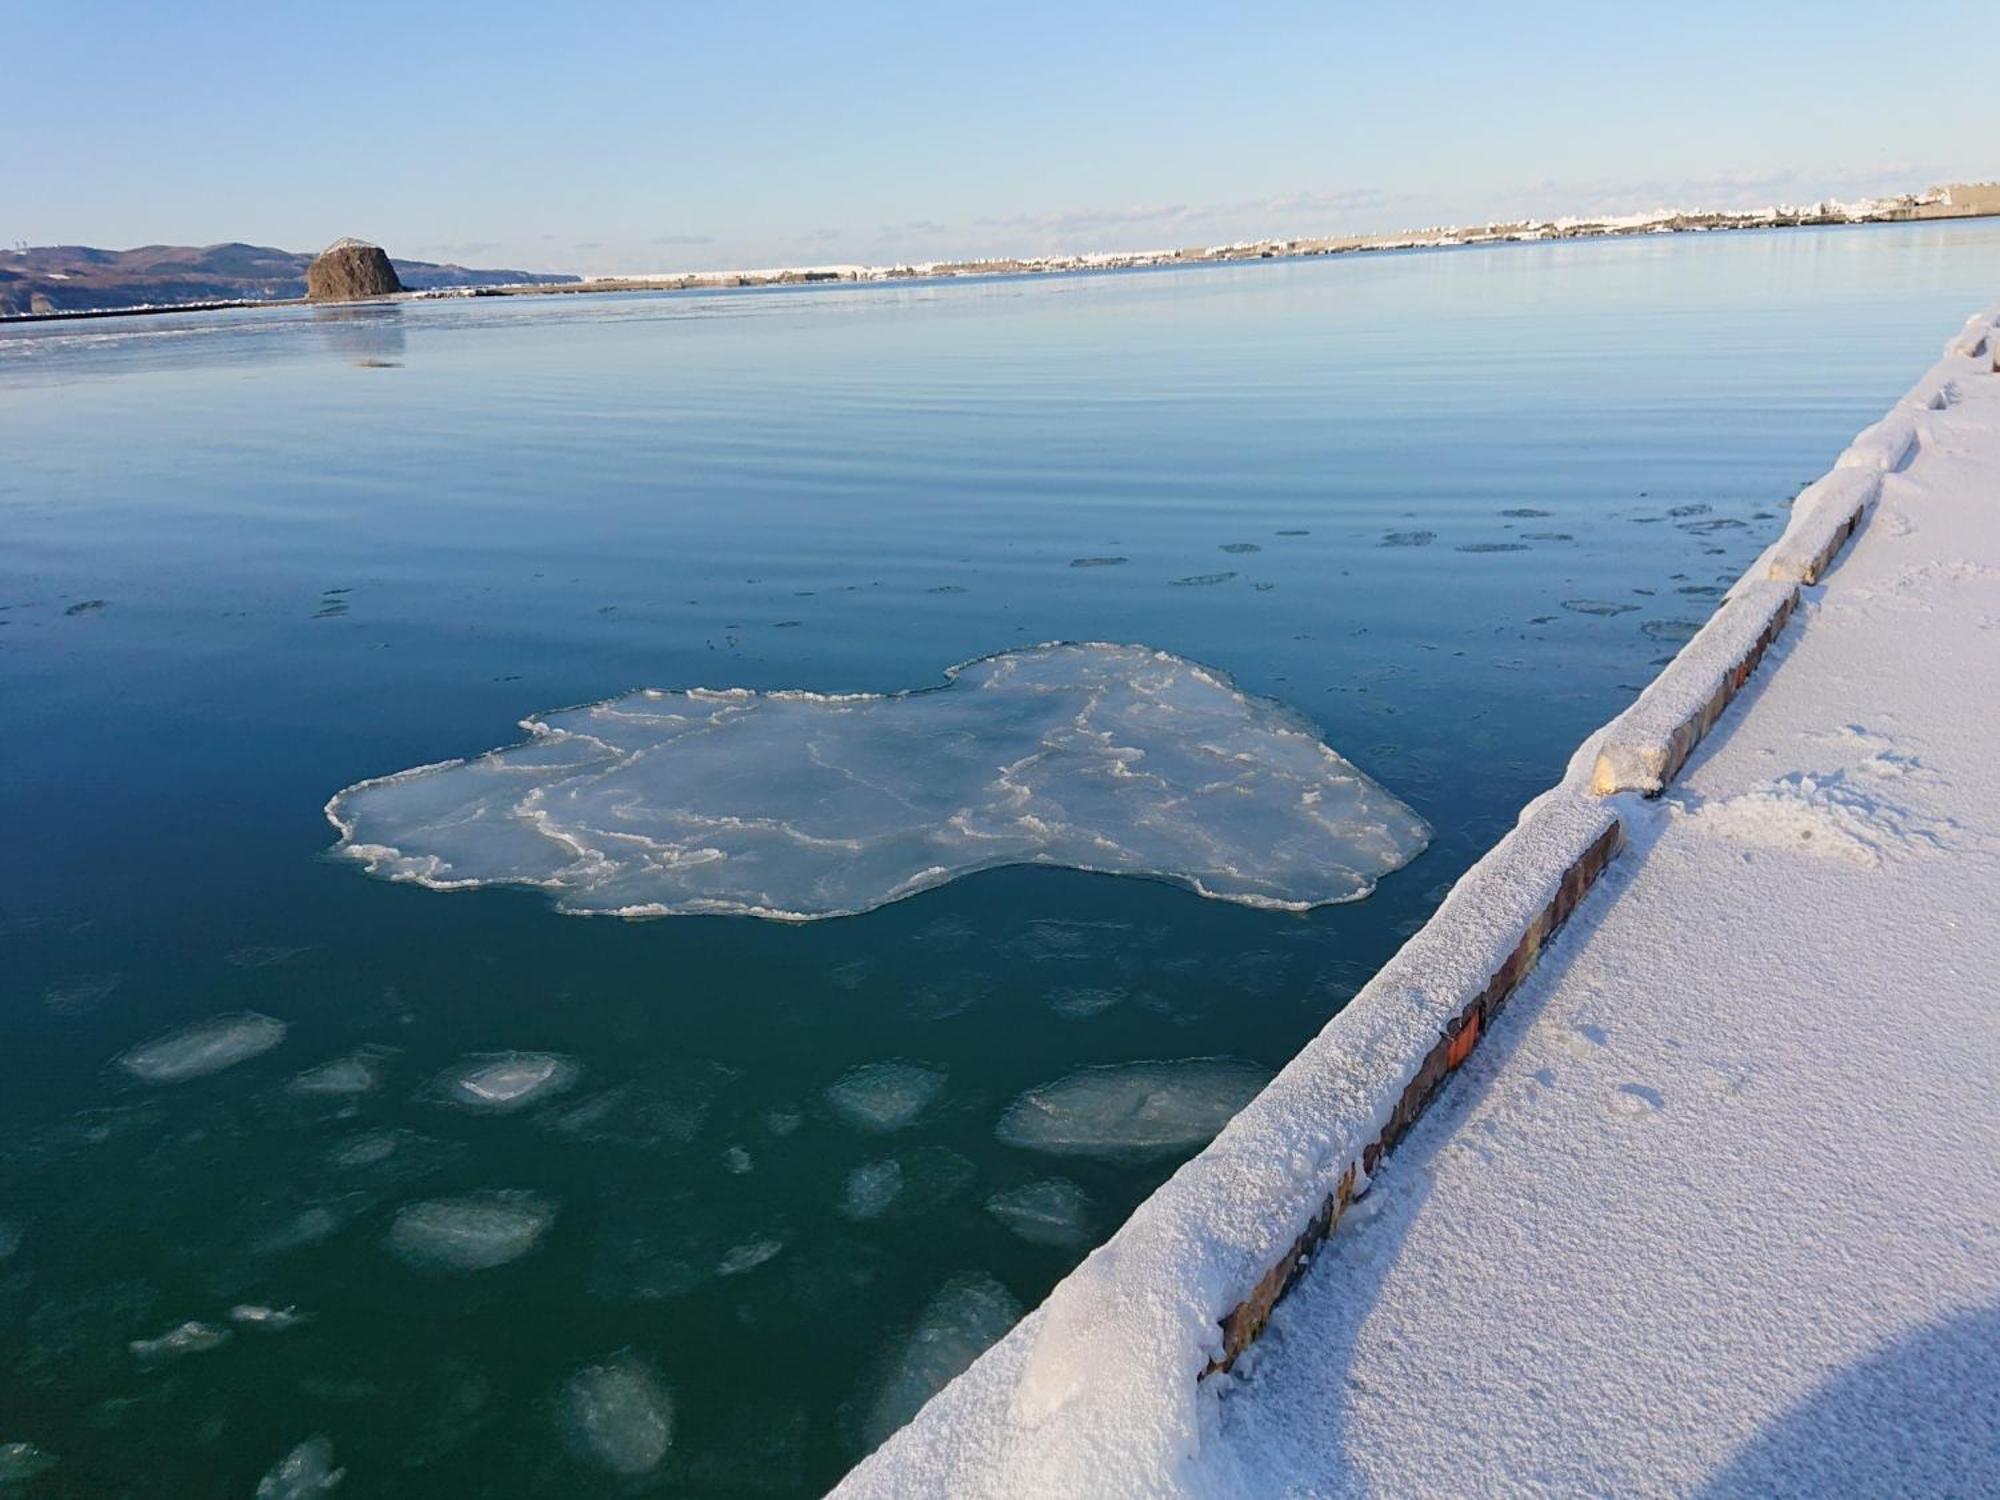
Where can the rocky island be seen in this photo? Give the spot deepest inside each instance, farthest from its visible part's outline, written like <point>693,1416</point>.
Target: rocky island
<point>350,270</point>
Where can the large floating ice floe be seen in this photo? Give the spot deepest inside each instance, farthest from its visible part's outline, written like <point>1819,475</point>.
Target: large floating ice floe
<point>796,805</point>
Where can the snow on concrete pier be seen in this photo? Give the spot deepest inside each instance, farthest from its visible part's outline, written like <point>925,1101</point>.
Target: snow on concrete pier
<point>1712,1207</point>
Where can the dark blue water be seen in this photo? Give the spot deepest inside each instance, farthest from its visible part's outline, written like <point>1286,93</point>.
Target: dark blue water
<point>1453,507</point>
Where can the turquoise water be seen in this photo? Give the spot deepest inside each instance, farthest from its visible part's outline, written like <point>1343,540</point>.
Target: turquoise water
<point>1451,507</point>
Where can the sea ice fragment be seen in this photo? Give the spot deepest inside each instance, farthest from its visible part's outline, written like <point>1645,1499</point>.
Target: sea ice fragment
<point>1080,1002</point>
<point>203,1048</point>
<point>357,1073</point>
<point>80,995</point>
<point>265,1319</point>
<point>500,1082</point>
<point>1052,1212</point>
<point>20,1462</point>
<point>472,1233</point>
<point>307,1227</point>
<point>617,1415</point>
<point>799,805</point>
<point>885,1096</point>
<point>748,1257</point>
<point>871,1188</point>
<point>191,1337</point>
<point>303,1473</point>
<point>1131,1109</point>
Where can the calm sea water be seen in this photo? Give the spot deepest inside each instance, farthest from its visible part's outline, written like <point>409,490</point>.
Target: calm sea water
<point>1454,507</point>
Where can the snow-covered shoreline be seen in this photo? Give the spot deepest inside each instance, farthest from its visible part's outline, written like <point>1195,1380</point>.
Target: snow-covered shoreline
<point>1939,204</point>
<point>1101,1390</point>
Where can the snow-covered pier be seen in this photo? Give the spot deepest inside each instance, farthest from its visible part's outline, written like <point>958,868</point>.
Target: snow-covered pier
<point>1712,1205</point>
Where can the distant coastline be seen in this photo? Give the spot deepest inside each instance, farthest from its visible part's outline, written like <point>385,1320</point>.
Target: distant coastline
<point>1950,201</point>
<point>84,281</point>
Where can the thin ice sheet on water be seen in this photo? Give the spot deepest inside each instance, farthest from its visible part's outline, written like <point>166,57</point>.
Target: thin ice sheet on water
<point>798,805</point>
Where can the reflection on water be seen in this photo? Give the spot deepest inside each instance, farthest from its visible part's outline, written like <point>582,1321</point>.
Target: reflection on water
<point>369,334</point>
<point>302,1172</point>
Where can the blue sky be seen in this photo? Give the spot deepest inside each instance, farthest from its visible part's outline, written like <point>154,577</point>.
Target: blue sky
<point>638,137</point>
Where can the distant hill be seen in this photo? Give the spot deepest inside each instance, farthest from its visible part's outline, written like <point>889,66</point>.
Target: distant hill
<point>74,278</point>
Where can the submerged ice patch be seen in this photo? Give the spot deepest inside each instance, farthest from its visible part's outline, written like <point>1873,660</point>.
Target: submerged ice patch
<point>798,805</point>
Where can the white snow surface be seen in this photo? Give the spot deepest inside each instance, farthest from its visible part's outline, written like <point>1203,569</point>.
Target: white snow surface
<point>1820,511</point>
<point>796,805</point>
<point>1633,754</point>
<point>1713,1210</point>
